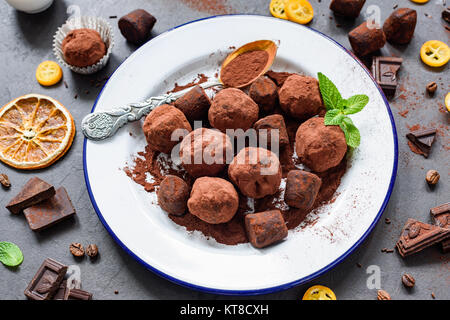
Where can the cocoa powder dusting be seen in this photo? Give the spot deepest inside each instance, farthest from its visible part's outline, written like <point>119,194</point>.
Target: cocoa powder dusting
<point>209,6</point>
<point>201,78</point>
<point>244,68</point>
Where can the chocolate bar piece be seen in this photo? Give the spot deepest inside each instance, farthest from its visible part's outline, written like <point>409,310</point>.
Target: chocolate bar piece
<point>423,139</point>
<point>417,236</point>
<point>61,292</point>
<point>446,15</point>
<point>441,218</point>
<point>34,191</point>
<point>77,294</point>
<point>265,228</point>
<point>384,70</point>
<point>50,211</point>
<point>46,281</point>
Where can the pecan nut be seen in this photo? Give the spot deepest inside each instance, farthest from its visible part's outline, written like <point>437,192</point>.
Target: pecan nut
<point>4,180</point>
<point>92,250</point>
<point>77,249</point>
<point>432,177</point>
<point>383,295</point>
<point>408,280</point>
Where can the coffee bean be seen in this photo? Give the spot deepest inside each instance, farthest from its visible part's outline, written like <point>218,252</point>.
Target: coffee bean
<point>431,88</point>
<point>4,180</point>
<point>432,177</point>
<point>383,295</point>
<point>77,249</point>
<point>408,280</point>
<point>92,250</point>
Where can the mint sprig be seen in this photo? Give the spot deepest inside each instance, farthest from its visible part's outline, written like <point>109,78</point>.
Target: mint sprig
<point>10,254</point>
<point>339,108</point>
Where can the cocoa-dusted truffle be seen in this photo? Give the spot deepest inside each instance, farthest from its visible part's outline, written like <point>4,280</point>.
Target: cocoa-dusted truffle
<point>302,188</point>
<point>269,123</point>
<point>265,228</point>
<point>365,40</point>
<point>136,26</point>
<point>300,96</point>
<point>347,8</point>
<point>256,172</point>
<point>194,104</point>
<point>83,47</point>
<point>232,109</point>
<point>173,195</point>
<point>213,200</point>
<point>320,147</point>
<point>399,27</point>
<point>161,123</point>
<point>264,92</point>
<point>204,152</point>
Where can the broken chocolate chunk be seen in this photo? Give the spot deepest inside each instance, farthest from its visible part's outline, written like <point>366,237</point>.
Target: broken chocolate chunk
<point>77,294</point>
<point>417,236</point>
<point>34,191</point>
<point>384,70</point>
<point>46,280</point>
<point>265,228</point>
<point>61,292</point>
<point>423,139</point>
<point>50,211</point>
<point>441,218</point>
<point>446,15</point>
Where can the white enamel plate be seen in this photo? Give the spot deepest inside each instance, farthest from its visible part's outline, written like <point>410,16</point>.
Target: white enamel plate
<point>144,230</point>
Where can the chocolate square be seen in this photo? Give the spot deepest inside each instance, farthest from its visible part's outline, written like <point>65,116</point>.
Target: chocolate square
<point>423,139</point>
<point>61,292</point>
<point>77,294</point>
<point>417,236</point>
<point>441,218</point>
<point>34,191</point>
<point>384,70</point>
<point>46,281</point>
<point>50,211</point>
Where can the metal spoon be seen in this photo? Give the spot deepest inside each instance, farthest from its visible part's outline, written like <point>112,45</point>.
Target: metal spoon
<point>104,124</point>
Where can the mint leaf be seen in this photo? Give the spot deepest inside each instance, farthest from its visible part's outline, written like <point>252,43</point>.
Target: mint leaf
<point>10,254</point>
<point>352,135</point>
<point>330,94</point>
<point>356,103</point>
<point>333,117</point>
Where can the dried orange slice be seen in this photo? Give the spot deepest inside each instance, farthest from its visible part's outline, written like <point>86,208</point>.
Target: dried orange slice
<point>35,131</point>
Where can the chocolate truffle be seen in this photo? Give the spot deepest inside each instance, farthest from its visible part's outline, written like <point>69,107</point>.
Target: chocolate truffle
<point>320,147</point>
<point>365,40</point>
<point>204,152</point>
<point>302,188</point>
<point>161,123</point>
<point>269,123</point>
<point>347,8</point>
<point>256,172</point>
<point>232,109</point>
<point>264,92</point>
<point>83,47</point>
<point>213,200</point>
<point>194,104</point>
<point>137,25</point>
<point>265,228</point>
<point>399,27</point>
<point>173,194</point>
<point>300,97</point>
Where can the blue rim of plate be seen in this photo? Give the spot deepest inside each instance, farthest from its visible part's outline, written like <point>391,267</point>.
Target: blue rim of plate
<point>286,285</point>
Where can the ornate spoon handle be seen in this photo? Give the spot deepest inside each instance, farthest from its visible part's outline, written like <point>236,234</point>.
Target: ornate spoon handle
<point>104,124</point>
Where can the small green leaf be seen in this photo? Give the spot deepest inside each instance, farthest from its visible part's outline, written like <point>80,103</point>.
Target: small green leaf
<point>352,135</point>
<point>333,117</point>
<point>356,103</point>
<point>10,254</point>
<point>330,94</point>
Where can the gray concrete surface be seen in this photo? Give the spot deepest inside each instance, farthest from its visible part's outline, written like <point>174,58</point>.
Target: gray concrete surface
<point>26,41</point>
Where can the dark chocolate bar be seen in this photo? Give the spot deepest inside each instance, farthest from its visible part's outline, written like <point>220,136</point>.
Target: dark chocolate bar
<point>441,218</point>
<point>46,281</point>
<point>423,139</point>
<point>34,191</point>
<point>417,236</point>
<point>77,294</point>
<point>50,211</point>
<point>384,70</point>
<point>61,292</point>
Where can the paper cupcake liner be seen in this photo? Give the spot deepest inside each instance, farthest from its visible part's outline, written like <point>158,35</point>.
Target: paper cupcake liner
<point>95,23</point>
